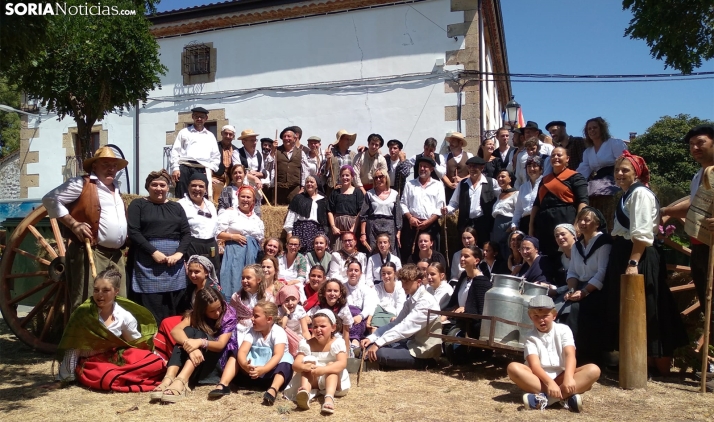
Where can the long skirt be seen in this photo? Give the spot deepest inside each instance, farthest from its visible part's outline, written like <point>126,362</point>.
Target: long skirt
<point>344,223</point>
<point>378,224</point>
<point>357,330</point>
<point>584,319</point>
<point>207,248</point>
<point>545,223</point>
<point>235,258</point>
<point>665,330</point>
<point>499,235</point>
<point>606,205</point>
<point>524,224</point>
<point>307,231</point>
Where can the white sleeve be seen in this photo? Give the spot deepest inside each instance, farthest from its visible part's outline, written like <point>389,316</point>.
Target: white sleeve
<point>177,151</point>
<point>304,348</point>
<point>403,201</point>
<point>454,201</point>
<point>440,169</point>
<point>518,210</point>
<point>400,298</point>
<point>641,204</point>
<point>618,147</point>
<point>289,221</point>
<point>304,169</point>
<point>337,347</point>
<point>369,302</point>
<point>601,257</point>
<point>357,165</point>
<point>215,157</point>
<point>566,335</point>
<point>130,327</point>
<point>248,337</point>
<point>346,316</point>
<point>223,222</point>
<point>369,272</point>
<point>66,193</point>
<point>279,335</point>
<point>584,167</point>
<point>530,347</point>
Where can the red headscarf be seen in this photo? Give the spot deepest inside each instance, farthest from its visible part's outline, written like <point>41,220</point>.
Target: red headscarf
<point>640,166</point>
<point>249,188</point>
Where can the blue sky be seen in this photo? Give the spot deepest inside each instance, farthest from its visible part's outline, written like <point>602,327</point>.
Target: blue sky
<point>584,37</point>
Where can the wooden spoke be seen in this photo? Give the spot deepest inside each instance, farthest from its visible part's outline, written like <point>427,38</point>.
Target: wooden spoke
<point>58,236</point>
<point>30,292</point>
<point>690,309</point>
<point>682,288</point>
<point>31,256</point>
<point>679,268</point>
<point>51,314</point>
<point>42,241</point>
<point>21,275</point>
<point>40,306</point>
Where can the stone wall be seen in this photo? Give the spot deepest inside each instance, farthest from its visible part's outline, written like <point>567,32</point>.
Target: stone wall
<point>10,176</point>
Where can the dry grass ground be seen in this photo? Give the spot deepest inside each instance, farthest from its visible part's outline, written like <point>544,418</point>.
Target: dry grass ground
<point>481,392</point>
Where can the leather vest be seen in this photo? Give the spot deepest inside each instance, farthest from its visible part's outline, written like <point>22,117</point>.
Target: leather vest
<point>289,170</point>
<point>460,168</point>
<point>86,209</point>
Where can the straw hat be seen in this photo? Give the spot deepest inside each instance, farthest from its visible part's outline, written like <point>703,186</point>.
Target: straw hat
<point>352,136</point>
<point>247,134</point>
<point>103,152</point>
<point>457,135</point>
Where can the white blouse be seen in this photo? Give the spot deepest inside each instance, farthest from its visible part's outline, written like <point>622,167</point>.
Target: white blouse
<point>343,315</point>
<point>391,302</point>
<point>374,267</point>
<point>294,318</point>
<point>362,297</point>
<point>609,151</point>
<point>505,207</point>
<point>456,268</point>
<point>234,221</point>
<point>442,294</point>
<point>382,207</point>
<point>594,271</point>
<point>338,270</point>
<point>292,216</point>
<point>527,195</point>
<point>290,273</point>
<point>643,209</point>
<point>202,227</point>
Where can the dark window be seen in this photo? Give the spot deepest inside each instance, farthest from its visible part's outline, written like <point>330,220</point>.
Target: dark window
<point>212,127</point>
<point>197,59</point>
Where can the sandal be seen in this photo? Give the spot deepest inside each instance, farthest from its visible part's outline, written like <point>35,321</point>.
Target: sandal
<point>159,390</point>
<point>219,392</point>
<point>268,398</point>
<point>172,395</point>
<point>303,399</point>
<point>328,408</point>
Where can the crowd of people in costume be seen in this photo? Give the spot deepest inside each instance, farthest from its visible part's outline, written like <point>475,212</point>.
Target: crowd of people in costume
<point>360,267</point>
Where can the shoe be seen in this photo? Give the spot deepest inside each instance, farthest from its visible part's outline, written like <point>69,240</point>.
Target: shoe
<point>159,390</point>
<point>269,399</point>
<point>303,399</point>
<point>173,395</point>
<point>574,403</point>
<point>328,408</point>
<point>535,401</point>
<point>219,392</point>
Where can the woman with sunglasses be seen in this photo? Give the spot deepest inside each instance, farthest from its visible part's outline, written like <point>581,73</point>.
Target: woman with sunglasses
<point>381,213</point>
<point>202,219</point>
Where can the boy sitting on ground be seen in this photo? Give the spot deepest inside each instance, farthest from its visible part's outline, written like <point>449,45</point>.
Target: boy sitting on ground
<point>550,375</point>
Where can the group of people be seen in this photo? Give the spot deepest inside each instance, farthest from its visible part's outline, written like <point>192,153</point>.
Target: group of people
<point>361,267</point>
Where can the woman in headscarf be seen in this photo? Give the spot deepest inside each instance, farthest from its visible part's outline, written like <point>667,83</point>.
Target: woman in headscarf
<point>565,237</point>
<point>307,215</point>
<point>633,252</point>
<point>202,218</point>
<point>242,230</point>
<point>160,235</point>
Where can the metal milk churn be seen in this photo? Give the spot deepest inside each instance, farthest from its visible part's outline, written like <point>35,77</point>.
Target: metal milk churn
<point>529,291</point>
<point>503,300</point>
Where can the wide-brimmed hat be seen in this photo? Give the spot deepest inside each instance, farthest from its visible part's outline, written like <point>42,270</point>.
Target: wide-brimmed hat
<point>456,135</point>
<point>103,152</point>
<point>531,125</point>
<point>247,134</point>
<point>351,136</point>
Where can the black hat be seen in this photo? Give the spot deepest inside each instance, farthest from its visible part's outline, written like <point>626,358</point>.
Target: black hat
<point>199,176</point>
<point>476,160</point>
<point>378,136</point>
<point>518,131</point>
<point>707,129</point>
<point>199,110</point>
<point>266,140</point>
<point>426,160</point>
<point>395,142</point>
<point>531,125</point>
<point>555,123</point>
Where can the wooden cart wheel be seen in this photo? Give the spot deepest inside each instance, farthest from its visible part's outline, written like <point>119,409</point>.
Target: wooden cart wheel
<point>41,324</point>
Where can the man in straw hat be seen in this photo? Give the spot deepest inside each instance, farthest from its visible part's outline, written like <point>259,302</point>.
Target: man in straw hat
<point>336,156</point>
<point>456,169</point>
<point>226,149</point>
<point>252,159</point>
<point>195,150</point>
<point>90,207</point>
<point>421,203</point>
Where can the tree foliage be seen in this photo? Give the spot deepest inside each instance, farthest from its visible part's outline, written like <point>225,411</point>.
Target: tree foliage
<point>668,158</point>
<point>680,32</point>
<point>92,65</point>
<point>9,121</point>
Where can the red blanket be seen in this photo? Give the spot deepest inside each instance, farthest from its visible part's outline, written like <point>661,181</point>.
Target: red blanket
<point>126,370</point>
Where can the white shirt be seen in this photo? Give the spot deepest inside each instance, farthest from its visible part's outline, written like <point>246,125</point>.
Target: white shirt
<point>192,145</point>
<point>423,202</point>
<point>643,210</point>
<point>521,158</point>
<point>442,294</point>
<point>124,324</point>
<point>310,167</point>
<point>463,293</point>
<point>294,318</point>
<point>202,227</point>
<point>337,268</point>
<point>392,177</point>
<point>439,169</point>
<point>594,271</point>
<point>234,221</point>
<point>292,216</point>
<point>382,207</point>
<point>373,269</point>
<point>694,185</point>
<point>251,159</point>
<point>456,268</point>
<point>290,273</point>
<point>112,218</point>
<point>391,302</point>
<point>475,194</point>
<point>609,151</point>
<point>363,297</point>
<point>527,195</point>
<point>505,206</point>
<point>409,321</point>
<point>277,335</point>
<point>457,158</point>
<point>343,315</point>
<point>549,347</point>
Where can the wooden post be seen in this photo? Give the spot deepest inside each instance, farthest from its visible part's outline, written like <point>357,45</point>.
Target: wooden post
<point>275,183</point>
<point>633,332</point>
<point>90,257</point>
<point>708,311</point>
<point>446,243</point>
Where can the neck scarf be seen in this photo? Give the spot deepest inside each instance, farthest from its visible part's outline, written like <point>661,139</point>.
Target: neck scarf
<point>556,185</point>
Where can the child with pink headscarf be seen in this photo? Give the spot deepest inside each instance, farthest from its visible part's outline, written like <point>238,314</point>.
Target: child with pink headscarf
<point>292,316</point>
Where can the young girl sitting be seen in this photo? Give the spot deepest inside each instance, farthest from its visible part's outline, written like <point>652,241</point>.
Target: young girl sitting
<point>333,296</point>
<point>308,291</point>
<point>361,300</point>
<point>436,277</point>
<point>263,357</point>
<point>383,256</point>
<point>390,296</point>
<point>293,317</point>
<point>271,275</point>
<point>201,340</point>
<point>320,366</point>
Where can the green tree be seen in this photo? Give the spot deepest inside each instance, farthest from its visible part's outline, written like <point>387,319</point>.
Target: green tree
<point>9,121</point>
<point>680,32</point>
<point>92,65</point>
<point>668,158</point>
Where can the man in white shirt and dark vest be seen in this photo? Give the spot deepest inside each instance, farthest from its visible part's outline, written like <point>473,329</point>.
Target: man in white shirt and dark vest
<point>288,171</point>
<point>195,150</point>
<point>504,152</point>
<point>226,148</point>
<point>421,201</point>
<point>474,197</point>
<point>91,207</point>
